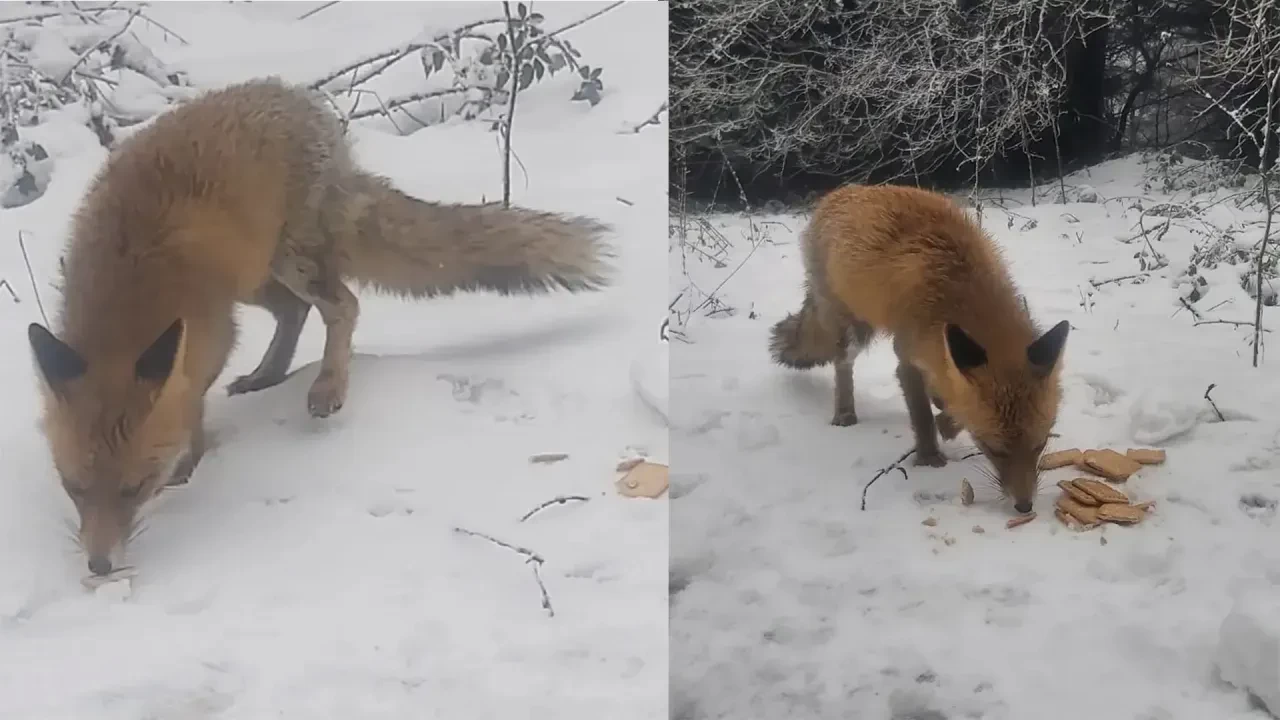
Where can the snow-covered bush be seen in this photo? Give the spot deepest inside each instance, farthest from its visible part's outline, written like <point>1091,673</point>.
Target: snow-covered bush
<point>468,72</point>
<point>55,56</point>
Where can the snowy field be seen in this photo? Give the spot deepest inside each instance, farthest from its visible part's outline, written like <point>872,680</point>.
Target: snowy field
<point>311,569</point>
<point>788,601</point>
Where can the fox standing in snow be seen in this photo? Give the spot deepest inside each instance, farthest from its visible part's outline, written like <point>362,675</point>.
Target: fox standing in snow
<point>249,195</point>
<point>910,263</point>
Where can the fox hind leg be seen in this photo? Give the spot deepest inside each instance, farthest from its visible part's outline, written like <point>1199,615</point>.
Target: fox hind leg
<point>317,281</point>
<point>290,312</point>
<point>855,337</point>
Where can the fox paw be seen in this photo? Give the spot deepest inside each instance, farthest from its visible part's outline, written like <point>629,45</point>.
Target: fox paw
<point>930,459</point>
<point>845,418</point>
<point>947,426</point>
<point>254,382</point>
<point>327,394</point>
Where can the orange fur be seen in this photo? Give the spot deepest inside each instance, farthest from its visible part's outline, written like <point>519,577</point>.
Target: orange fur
<point>245,195</point>
<point>908,263</point>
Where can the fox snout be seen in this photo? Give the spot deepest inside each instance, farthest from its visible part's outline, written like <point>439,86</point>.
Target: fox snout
<point>103,534</point>
<point>1020,482</point>
<point>99,565</point>
<point>1023,493</point>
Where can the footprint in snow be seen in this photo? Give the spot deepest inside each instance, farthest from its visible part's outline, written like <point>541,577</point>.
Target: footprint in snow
<point>1258,506</point>
<point>1104,391</point>
<point>755,433</point>
<point>710,420</point>
<point>912,705</point>
<point>684,483</point>
<point>385,509</point>
<point>470,390</point>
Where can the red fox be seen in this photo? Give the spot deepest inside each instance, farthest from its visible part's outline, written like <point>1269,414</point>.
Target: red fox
<point>245,195</point>
<point>911,264</point>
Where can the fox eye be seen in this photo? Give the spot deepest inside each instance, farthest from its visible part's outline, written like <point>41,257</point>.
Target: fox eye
<point>74,491</point>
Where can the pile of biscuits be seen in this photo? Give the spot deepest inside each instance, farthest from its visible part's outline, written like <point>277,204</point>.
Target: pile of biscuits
<point>1087,502</point>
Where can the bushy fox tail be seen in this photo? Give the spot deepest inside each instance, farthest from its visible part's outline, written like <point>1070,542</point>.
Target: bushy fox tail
<point>801,341</point>
<point>405,246</point>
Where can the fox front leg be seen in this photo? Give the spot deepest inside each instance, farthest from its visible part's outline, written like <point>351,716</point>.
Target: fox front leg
<point>195,451</point>
<point>917,399</point>
<point>948,428</point>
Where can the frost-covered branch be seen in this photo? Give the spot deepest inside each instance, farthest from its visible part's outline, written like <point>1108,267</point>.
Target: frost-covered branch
<point>53,61</point>
<point>903,87</point>
<point>1238,73</point>
<point>473,70</point>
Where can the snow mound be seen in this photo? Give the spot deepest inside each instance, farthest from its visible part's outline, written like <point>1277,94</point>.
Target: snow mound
<point>1158,416</point>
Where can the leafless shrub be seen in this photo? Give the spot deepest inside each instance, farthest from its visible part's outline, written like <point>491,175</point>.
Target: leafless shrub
<point>485,65</point>
<point>470,71</point>
<point>910,84</point>
<point>72,56</point>
<point>1238,73</point>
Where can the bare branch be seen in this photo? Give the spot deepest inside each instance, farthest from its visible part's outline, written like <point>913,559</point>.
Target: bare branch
<point>558,500</point>
<point>322,7</point>
<point>531,558</point>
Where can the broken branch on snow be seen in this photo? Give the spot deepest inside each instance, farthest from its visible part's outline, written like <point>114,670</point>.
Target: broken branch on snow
<point>558,500</point>
<point>895,465</point>
<point>531,558</point>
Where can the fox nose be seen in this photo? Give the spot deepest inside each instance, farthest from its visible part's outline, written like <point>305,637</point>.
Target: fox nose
<point>1023,507</point>
<point>100,565</point>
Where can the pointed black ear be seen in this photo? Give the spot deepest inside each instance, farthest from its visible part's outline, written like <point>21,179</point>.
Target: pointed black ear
<point>57,361</point>
<point>1043,354</point>
<point>965,352</point>
<point>156,362</point>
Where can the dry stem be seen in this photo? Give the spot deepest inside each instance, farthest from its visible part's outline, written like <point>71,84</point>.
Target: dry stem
<point>558,500</point>
<point>895,465</point>
<point>531,557</point>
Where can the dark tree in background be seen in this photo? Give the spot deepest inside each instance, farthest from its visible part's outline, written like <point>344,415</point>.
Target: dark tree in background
<point>773,99</point>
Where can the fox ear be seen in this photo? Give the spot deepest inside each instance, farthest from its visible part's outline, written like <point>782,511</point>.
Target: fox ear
<point>1043,354</point>
<point>156,362</point>
<point>965,352</point>
<point>58,363</point>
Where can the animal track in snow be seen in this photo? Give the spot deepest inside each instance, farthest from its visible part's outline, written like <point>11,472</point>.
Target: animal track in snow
<point>1258,506</point>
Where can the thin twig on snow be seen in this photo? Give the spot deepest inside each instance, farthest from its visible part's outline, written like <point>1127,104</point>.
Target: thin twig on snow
<point>1221,417</point>
<point>5,284</point>
<point>313,11</point>
<point>895,465</point>
<point>532,558</point>
<point>558,500</point>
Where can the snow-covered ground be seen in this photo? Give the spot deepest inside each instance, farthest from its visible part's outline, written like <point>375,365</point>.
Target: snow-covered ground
<point>311,569</point>
<point>788,601</point>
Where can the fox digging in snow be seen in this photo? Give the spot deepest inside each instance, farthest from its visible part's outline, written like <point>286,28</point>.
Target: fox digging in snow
<point>911,264</point>
<point>247,194</point>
